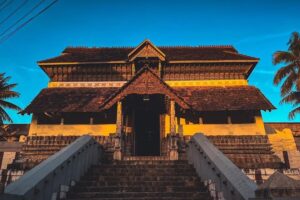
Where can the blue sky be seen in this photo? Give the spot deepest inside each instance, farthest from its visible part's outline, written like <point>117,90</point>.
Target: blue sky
<point>256,28</point>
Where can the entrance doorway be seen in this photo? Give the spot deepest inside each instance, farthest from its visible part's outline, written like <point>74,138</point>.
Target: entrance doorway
<point>144,118</point>
<point>147,132</point>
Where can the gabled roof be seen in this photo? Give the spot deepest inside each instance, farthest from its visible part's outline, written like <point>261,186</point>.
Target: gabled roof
<point>145,81</point>
<point>146,49</point>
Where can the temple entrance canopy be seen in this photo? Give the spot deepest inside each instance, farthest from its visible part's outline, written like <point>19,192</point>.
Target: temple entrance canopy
<point>142,104</point>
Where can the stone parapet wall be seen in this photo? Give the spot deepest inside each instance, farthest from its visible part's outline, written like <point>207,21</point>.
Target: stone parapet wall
<point>248,152</point>
<point>261,175</point>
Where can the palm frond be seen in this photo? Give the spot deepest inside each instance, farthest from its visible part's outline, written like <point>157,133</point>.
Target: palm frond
<point>4,80</point>
<point>8,94</point>
<point>293,113</point>
<point>287,85</point>
<point>292,97</point>
<point>294,44</point>
<point>6,104</point>
<point>7,87</point>
<point>4,116</point>
<point>282,73</point>
<point>283,57</point>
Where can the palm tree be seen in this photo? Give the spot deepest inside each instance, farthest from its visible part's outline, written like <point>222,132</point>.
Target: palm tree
<point>289,74</point>
<point>6,93</point>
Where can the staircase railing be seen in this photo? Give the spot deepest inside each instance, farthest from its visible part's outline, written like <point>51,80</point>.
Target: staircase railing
<point>224,179</point>
<point>52,178</point>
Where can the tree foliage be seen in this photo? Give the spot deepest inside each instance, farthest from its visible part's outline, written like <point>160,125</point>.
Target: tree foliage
<point>288,76</point>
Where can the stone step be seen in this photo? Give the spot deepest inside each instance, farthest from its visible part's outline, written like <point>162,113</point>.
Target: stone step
<point>141,179</point>
<point>143,174</point>
<point>139,188</point>
<point>206,197</point>
<point>144,163</point>
<point>141,195</point>
<point>181,182</point>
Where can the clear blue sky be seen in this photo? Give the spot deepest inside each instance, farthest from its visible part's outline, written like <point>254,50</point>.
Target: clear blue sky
<point>256,28</point>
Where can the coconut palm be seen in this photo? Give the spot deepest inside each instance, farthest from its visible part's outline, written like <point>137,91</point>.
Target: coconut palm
<point>6,93</point>
<point>289,74</point>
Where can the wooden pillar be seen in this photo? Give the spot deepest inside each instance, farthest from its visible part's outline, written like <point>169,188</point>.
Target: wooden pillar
<point>159,69</point>
<point>172,117</point>
<point>119,118</point>
<point>62,121</point>
<point>200,120</point>
<point>228,118</point>
<point>132,69</point>
<point>173,148</point>
<point>118,137</point>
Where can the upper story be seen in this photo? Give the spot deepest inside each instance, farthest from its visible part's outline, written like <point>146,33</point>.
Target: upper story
<point>190,66</point>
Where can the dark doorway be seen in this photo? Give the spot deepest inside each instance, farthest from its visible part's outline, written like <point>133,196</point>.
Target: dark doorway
<point>147,127</point>
<point>147,137</point>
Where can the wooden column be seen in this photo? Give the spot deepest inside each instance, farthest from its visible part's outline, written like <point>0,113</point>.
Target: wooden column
<point>172,117</point>
<point>159,69</point>
<point>228,118</point>
<point>173,148</point>
<point>200,120</point>
<point>118,137</point>
<point>62,121</point>
<point>119,118</point>
<point>132,69</point>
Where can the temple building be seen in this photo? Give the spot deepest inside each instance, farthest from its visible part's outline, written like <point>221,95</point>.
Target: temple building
<point>147,93</point>
<point>149,101</point>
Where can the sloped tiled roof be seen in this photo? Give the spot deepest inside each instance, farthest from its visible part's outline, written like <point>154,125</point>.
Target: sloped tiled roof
<point>103,54</point>
<point>198,98</point>
<point>224,98</point>
<point>69,100</point>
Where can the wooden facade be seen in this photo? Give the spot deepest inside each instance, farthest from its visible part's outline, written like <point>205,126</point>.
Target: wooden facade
<point>168,71</point>
<point>150,94</point>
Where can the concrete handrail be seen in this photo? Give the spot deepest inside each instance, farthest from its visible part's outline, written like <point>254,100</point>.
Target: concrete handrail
<point>214,167</point>
<point>52,178</point>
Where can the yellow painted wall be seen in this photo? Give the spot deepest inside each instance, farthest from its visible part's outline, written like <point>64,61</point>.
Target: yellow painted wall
<point>282,141</point>
<point>70,130</point>
<point>256,128</point>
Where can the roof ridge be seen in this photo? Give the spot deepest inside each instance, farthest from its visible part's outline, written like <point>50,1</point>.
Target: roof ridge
<point>197,46</point>
<point>163,46</point>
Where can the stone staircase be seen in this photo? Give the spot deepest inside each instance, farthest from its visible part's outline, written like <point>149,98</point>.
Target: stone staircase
<point>142,178</point>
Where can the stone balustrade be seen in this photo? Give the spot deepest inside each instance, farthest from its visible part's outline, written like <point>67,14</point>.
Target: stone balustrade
<point>224,179</point>
<point>52,178</point>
